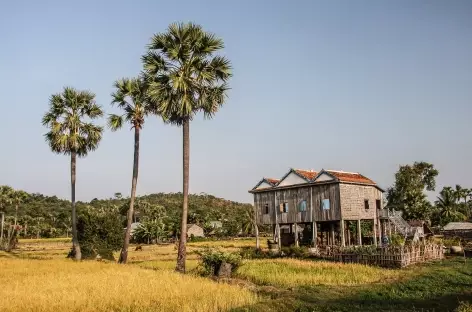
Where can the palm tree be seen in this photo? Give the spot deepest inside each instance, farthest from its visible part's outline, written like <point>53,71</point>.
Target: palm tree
<point>185,77</point>
<point>72,132</point>
<point>18,197</point>
<point>447,204</point>
<point>130,96</point>
<point>6,193</point>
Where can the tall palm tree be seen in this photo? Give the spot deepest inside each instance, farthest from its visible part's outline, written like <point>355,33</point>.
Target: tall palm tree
<point>185,77</point>
<point>72,132</point>
<point>131,97</point>
<point>18,197</point>
<point>6,193</point>
<point>447,204</point>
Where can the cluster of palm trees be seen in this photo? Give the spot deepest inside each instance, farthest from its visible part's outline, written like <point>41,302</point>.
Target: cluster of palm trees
<point>10,197</point>
<point>453,204</point>
<point>181,76</point>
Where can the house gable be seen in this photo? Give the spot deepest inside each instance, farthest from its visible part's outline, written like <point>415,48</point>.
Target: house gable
<point>263,185</point>
<point>323,177</point>
<point>292,178</point>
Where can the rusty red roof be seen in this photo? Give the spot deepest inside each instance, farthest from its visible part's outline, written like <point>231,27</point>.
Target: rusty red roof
<point>307,174</point>
<point>272,181</point>
<point>353,177</point>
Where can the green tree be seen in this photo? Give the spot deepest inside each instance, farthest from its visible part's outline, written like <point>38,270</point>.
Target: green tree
<point>72,132</point>
<point>186,77</point>
<point>6,193</point>
<point>131,97</point>
<point>18,198</point>
<point>407,194</point>
<point>447,204</point>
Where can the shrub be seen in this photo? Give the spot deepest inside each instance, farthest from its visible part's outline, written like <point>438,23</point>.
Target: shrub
<point>99,232</point>
<point>255,253</point>
<point>397,240</point>
<point>295,252</point>
<point>464,307</point>
<point>213,258</point>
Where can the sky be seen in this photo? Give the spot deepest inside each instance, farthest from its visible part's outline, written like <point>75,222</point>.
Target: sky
<point>361,86</point>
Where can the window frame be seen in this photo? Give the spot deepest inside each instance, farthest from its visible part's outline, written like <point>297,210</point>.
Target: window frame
<point>303,201</point>
<point>323,204</point>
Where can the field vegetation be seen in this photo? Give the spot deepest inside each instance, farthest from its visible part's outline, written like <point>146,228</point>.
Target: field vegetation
<point>39,272</point>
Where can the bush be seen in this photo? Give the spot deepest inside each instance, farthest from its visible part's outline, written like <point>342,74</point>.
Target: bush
<point>464,307</point>
<point>295,252</point>
<point>255,253</point>
<point>99,232</point>
<point>213,258</point>
<point>397,240</point>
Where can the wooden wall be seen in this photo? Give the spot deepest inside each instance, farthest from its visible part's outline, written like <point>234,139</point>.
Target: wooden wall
<point>313,195</point>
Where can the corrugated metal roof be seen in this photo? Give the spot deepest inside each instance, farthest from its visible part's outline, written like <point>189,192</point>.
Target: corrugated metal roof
<point>458,226</point>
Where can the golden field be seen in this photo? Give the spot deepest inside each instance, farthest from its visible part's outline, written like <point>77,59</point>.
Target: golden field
<point>38,277</point>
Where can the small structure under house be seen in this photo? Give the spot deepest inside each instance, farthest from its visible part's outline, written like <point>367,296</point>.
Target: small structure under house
<point>328,207</point>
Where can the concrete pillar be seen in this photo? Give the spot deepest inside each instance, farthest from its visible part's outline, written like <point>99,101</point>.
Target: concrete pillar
<point>333,242</point>
<point>341,230</point>
<point>359,234</point>
<point>296,234</point>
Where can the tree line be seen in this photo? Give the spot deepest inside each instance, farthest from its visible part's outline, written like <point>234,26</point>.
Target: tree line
<point>40,216</point>
<point>408,194</point>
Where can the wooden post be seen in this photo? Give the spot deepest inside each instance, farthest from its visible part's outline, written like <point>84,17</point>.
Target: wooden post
<point>296,234</point>
<point>332,234</point>
<point>343,241</point>
<point>315,234</point>
<point>359,234</point>
<point>380,231</point>
<point>374,229</point>
<point>322,238</point>
<point>280,239</point>
<point>348,231</point>
<point>389,229</point>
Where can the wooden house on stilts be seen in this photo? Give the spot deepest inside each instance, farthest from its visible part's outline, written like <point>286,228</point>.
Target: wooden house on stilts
<point>321,208</point>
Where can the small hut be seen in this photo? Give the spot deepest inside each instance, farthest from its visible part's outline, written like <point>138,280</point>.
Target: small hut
<point>463,230</point>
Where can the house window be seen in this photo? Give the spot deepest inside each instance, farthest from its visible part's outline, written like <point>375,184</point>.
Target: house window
<point>366,203</point>
<point>266,209</point>
<point>302,205</point>
<point>325,204</point>
<point>377,204</point>
<point>284,207</point>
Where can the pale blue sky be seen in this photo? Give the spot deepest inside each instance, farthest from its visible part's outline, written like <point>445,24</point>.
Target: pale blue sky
<point>351,85</point>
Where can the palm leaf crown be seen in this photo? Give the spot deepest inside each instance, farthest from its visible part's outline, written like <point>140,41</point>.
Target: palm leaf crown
<point>183,75</point>
<point>131,97</point>
<point>69,122</point>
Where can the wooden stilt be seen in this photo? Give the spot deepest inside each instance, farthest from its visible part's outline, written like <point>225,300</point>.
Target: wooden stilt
<point>332,234</point>
<point>374,229</point>
<point>315,234</point>
<point>348,232</point>
<point>359,234</point>
<point>341,230</point>
<point>296,234</point>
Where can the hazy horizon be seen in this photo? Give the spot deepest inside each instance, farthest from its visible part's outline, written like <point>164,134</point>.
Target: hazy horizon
<point>358,86</point>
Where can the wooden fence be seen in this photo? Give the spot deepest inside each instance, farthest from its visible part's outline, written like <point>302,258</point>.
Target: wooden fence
<point>391,257</point>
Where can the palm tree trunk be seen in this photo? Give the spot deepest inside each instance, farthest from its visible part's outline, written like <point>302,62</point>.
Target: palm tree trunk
<point>16,213</point>
<point>2,226</point>
<point>182,254</point>
<point>75,239</point>
<point>124,251</point>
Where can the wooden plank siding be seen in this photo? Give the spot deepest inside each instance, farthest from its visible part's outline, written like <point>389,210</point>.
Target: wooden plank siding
<point>312,194</point>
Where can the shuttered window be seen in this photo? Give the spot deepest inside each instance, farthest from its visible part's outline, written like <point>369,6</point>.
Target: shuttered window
<point>325,204</point>
<point>302,205</point>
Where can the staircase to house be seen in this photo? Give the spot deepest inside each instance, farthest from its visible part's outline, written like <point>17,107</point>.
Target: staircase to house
<point>402,226</point>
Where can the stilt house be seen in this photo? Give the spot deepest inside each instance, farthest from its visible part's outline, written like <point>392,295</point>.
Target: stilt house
<point>327,207</point>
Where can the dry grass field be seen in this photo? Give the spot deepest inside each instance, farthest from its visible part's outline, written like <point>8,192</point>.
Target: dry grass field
<point>37,277</point>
